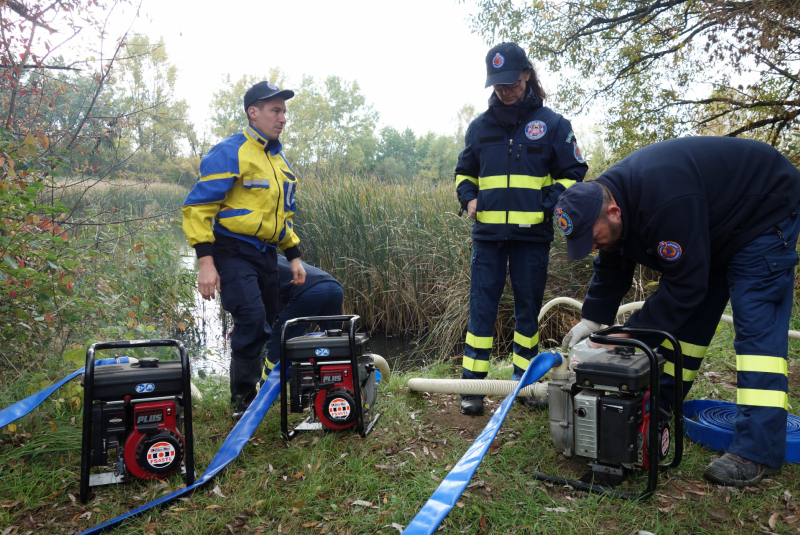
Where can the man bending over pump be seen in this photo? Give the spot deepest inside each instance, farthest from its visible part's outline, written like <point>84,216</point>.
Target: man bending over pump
<point>718,217</point>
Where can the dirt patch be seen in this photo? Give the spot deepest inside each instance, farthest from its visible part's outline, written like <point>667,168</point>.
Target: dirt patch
<point>448,415</point>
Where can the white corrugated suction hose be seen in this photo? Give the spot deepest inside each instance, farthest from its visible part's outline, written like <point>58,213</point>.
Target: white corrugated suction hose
<point>473,387</point>
<point>382,366</point>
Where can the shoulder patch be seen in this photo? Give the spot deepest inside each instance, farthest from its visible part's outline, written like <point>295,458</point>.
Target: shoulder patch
<point>535,130</point>
<point>570,136</point>
<point>669,251</point>
<point>577,152</point>
<point>564,222</point>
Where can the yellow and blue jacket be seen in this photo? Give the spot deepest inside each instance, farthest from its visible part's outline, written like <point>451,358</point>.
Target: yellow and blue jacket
<point>516,161</point>
<point>247,185</point>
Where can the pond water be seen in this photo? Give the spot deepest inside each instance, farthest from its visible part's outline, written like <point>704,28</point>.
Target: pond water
<point>207,342</point>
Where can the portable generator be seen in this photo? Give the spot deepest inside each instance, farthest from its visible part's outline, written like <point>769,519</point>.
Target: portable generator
<point>606,410</point>
<point>142,412</point>
<point>333,374</point>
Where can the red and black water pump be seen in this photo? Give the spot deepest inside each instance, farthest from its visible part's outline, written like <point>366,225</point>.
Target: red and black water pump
<point>333,375</point>
<point>137,417</point>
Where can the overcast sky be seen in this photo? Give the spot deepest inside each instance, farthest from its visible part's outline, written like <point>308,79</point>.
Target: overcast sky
<point>416,61</point>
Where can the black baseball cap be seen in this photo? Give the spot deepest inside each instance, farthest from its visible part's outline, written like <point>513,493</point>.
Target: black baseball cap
<point>577,210</point>
<point>265,90</point>
<point>504,63</point>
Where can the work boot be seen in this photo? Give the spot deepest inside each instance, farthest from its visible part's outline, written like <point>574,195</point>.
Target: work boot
<point>732,470</point>
<point>530,403</point>
<point>472,405</point>
<point>533,404</point>
<point>245,374</point>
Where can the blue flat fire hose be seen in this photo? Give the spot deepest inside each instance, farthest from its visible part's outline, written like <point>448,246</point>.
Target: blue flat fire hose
<point>19,409</point>
<point>231,448</point>
<point>450,489</point>
<point>714,426</point>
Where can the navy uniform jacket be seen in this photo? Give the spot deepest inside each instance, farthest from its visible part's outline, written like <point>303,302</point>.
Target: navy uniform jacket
<point>688,205</point>
<point>516,161</point>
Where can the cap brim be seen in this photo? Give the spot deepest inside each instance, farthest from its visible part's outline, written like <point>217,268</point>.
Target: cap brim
<point>505,77</point>
<point>580,246</point>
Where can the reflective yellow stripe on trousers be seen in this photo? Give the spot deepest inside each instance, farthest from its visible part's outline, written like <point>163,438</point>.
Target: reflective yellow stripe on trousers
<point>758,397</point>
<point>688,350</point>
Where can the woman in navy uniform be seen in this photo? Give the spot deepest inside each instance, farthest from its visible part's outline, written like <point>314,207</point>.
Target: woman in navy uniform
<point>519,156</point>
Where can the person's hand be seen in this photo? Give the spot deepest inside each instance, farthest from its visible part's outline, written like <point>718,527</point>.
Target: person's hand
<point>615,335</point>
<point>208,278</point>
<point>472,208</point>
<point>298,271</point>
<point>578,333</point>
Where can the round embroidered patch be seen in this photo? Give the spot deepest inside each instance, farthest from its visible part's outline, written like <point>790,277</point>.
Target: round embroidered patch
<point>669,251</point>
<point>271,85</point>
<point>564,222</point>
<point>535,130</point>
<point>498,60</point>
<point>578,155</point>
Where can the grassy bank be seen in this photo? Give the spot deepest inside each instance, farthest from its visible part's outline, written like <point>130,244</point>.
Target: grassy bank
<point>337,483</point>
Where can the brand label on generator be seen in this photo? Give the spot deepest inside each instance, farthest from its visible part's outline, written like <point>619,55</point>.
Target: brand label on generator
<point>332,378</point>
<point>143,388</point>
<point>160,454</point>
<point>322,352</point>
<point>155,417</point>
<point>665,439</point>
<point>339,409</point>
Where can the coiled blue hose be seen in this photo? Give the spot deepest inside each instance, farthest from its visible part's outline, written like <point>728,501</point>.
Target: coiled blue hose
<point>714,426</point>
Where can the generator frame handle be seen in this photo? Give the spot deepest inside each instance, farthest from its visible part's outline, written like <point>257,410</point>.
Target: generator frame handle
<point>605,337</point>
<point>353,320</point>
<point>88,402</point>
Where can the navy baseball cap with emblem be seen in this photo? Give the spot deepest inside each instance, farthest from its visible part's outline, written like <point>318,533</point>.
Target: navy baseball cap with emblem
<point>504,63</point>
<point>576,212</point>
<point>265,90</point>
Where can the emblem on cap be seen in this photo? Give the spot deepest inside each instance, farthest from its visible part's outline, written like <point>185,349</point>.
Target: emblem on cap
<point>669,251</point>
<point>498,60</point>
<point>272,86</point>
<point>535,130</point>
<point>563,221</point>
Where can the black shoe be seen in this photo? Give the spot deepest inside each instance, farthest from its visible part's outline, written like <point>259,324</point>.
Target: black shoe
<point>472,406</point>
<point>241,407</point>
<point>732,470</point>
<point>533,404</point>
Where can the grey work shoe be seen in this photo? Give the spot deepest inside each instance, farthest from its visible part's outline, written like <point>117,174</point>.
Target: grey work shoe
<point>533,404</point>
<point>734,471</point>
<point>472,406</point>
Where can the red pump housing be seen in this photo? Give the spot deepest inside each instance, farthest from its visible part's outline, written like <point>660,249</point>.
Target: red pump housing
<point>155,448</point>
<point>334,404</point>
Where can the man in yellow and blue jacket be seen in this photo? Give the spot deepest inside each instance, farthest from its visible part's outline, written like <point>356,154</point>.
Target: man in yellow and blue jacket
<point>238,212</point>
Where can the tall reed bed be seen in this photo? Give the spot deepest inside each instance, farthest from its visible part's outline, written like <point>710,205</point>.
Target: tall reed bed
<point>138,199</point>
<point>402,255</point>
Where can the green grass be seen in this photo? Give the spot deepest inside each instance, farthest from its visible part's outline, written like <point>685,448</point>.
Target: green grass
<point>315,483</point>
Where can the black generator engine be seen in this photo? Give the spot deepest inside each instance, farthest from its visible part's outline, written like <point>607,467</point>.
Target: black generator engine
<point>606,410</point>
<point>333,374</point>
<point>142,412</point>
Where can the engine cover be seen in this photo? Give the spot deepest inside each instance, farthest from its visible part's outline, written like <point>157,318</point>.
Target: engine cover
<point>154,449</point>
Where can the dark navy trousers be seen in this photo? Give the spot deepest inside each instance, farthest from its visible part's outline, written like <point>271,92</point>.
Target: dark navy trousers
<point>250,292</point>
<point>526,262</point>
<point>759,280</point>
<point>323,299</point>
